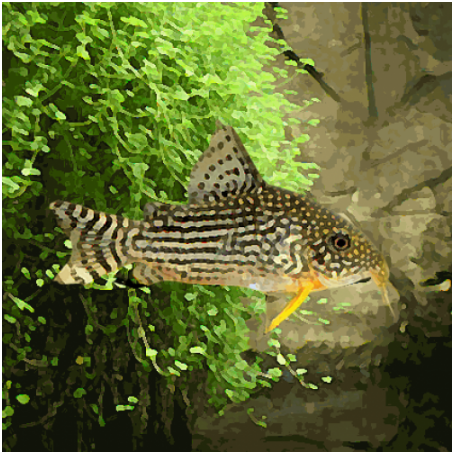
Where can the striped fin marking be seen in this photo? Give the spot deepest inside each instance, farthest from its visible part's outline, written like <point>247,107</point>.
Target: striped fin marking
<point>224,170</point>
<point>96,239</point>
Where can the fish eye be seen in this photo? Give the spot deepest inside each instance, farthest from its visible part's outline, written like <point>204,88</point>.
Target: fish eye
<point>340,241</point>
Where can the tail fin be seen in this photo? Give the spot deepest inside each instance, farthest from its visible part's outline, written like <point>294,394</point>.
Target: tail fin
<point>97,242</point>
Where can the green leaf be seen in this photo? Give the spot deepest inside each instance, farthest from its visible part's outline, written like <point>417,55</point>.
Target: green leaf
<point>34,91</point>
<point>26,273</point>
<point>9,318</point>
<point>292,358</point>
<point>180,94</point>
<point>21,304</point>
<point>35,17</point>
<point>23,398</point>
<point>30,171</point>
<point>197,350</point>
<point>121,407</point>
<point>173,371</point>
<point>280,359</point>
<point>81,52</point>
<point>264,383</point>
<point>290,63</point>
<point>11,184</point>
<point>137,44</point>
<point>104,33</point>
<point>229,393</point>
<point>273,343</point>
<point>182,366</point>
<point>138,141</point>
<point>50,274</point>
<point>60,115</point>
<point>190,296</point>
<point>7,412</point>
<point>307,61</point>
<point>275,372</point>
<point>83,38</point>
<point>138,169</point>
<point>134,21</point>
<point>23,101</point>
<point>117,95</point>
<point>79,393</point>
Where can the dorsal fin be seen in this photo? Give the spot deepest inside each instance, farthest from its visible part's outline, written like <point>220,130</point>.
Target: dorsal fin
<point>224,170</point>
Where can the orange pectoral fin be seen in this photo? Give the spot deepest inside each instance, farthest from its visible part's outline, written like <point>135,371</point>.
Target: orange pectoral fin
<point>301,295</point>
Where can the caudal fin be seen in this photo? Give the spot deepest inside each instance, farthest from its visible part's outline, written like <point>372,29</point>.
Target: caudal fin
<point>96,238</point>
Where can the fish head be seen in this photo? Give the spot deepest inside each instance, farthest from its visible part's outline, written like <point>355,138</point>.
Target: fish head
<point>343,256</point>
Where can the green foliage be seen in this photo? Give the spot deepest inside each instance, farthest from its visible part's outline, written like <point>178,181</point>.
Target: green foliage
<point>23,399</point>
<point>204,339</point>
<point>110,105</point>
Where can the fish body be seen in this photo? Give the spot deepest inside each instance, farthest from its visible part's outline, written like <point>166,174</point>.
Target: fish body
<point>236,230</point>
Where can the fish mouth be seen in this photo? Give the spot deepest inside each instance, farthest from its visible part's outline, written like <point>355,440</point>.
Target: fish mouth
<point>329,282</point>
<point>363,280</point>
<point>380,278</point>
